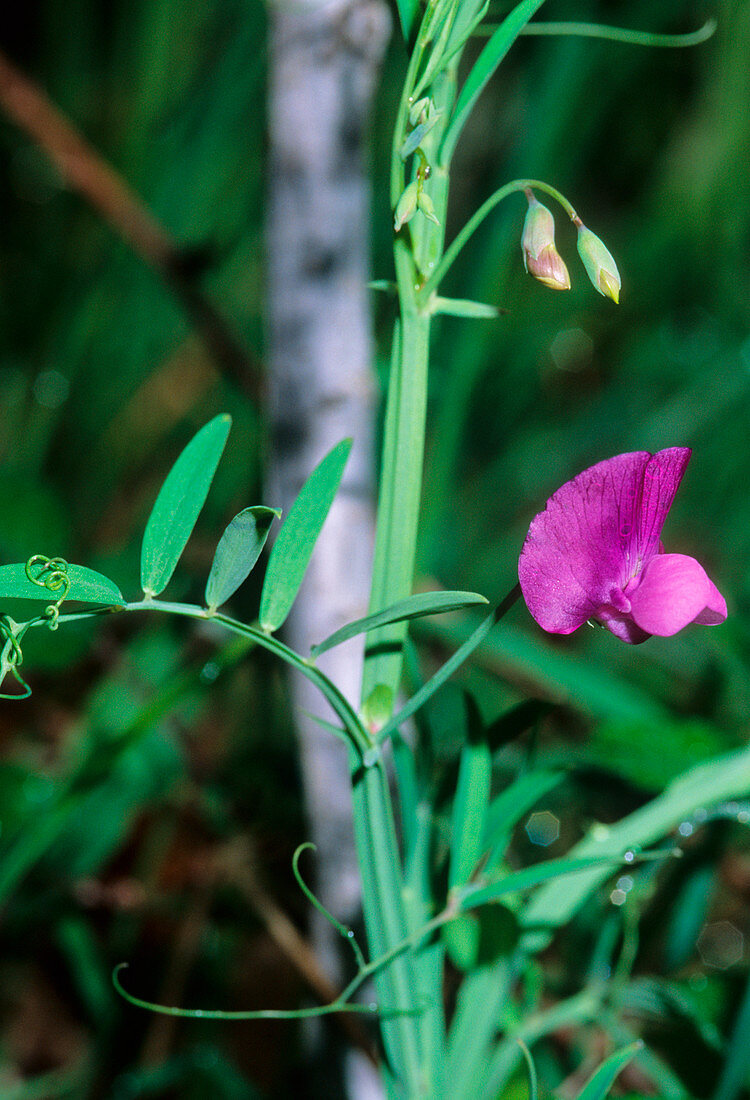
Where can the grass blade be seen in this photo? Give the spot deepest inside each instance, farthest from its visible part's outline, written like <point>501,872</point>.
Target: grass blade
<point>516,882</point>
<point>704,786</point>
<point>469,808</point>
<point>602,1080</point>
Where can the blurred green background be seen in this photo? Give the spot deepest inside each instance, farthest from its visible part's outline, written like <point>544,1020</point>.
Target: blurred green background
<point>150,763</point>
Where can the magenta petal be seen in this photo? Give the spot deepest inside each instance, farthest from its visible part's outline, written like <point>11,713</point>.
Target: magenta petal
<point>623,627</point>
<point>715,611</point>
<point>661,480</point>
<point>673,591</point>
<point>578,550</point>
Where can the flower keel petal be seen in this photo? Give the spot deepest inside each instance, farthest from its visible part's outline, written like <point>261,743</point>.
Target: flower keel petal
<point>673,591</point>
<point>715,611</point>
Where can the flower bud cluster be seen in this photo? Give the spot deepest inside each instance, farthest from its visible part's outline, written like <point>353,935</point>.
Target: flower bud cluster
<point>542,260</point>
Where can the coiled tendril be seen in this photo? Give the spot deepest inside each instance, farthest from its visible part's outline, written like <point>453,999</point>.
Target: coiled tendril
<point>52,574</point>
<point>11,657</point>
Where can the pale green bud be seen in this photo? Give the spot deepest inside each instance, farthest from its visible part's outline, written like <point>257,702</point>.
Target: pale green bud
<point>540,257</point>
<point>599,263</point>
<point>420,110</point>
<point>377,708</point>
<point>426,205</point>
<point>406,207</point>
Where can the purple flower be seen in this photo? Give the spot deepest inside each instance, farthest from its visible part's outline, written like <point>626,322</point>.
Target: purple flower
<point>595,553</point>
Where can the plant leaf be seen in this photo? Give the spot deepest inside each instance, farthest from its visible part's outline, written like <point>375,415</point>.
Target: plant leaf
<point>464,307</point>
<point>86,586</point>
<point>408,11</point>
<point>701,787</point>
<point>508,807</point>
<point>239,549</point>
<point>294,544</point>
<point>414,607</point>
<point>443,673</point>
<point>178,504</point>
<point>483,68</point>
<point>470,801</point>
<point>516,882</point>
<point>599,1084</point>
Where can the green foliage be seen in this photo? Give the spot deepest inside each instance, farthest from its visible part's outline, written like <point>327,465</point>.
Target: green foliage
<point>178,505</point>
<point>86,586</point>
<point>127,809</point>
<point>483,69</point>
<point>239,549</point>
<point>598,1085</point>
<point>415,607</point>
<point>296,540</point>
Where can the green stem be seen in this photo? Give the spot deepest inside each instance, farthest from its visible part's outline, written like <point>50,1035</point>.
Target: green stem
<point>359,736</point>
<point>476,220</point>
<point>385,920</point>
<point>401,483</point>
<point>416,249</point>
<point>621,34</point>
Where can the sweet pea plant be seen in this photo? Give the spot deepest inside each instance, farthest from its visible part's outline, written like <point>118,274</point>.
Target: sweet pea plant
<point>433,897</point>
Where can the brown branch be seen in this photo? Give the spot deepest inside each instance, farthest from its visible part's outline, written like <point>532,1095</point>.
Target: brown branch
<point>84,171</point>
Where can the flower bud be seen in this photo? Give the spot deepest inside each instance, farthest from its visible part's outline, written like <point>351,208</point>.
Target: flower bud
<point>419,111</point>
<point>426,205</point>
<point>599,263</point>
<point>540,257</point>
<point>406,207</point>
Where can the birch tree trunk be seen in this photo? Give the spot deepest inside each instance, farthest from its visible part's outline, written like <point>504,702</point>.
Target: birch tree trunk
<point>325,59</point>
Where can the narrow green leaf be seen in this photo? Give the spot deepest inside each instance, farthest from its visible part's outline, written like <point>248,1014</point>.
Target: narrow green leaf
<point>598,1085</point>
<point>516,882</point>
<point>443,673</point>
<point>533,1083</point>
<point>469,809</point>
<point>483,68</point>
<point>625,34</point>
<point>464,307</point>
<point>178,504</point>
<point>468,17</point>
<point>238,550</point>
<point>699,788</point>
<point>507,809</point>
<point>416,136</point>
<point>407,15</point>
<point>424,603</point>
<point>295,542</point>
<point>86,586</point>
